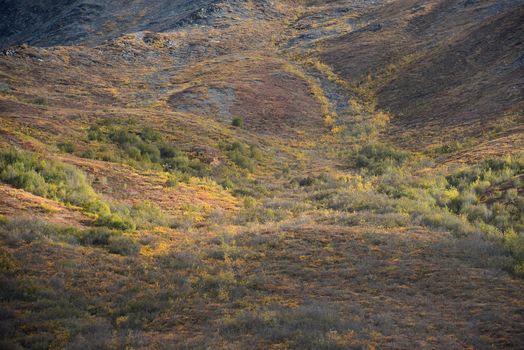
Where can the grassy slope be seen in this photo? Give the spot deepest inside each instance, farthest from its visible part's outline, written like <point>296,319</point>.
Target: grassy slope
<point>303,251</point>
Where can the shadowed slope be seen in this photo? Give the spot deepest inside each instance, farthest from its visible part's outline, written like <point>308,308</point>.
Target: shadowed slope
<point>437,64</point>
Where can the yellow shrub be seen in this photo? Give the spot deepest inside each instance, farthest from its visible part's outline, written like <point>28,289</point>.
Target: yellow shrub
<point>328,120</point>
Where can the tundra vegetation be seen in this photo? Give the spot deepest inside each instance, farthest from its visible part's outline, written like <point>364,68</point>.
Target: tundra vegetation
<point>248,180</point>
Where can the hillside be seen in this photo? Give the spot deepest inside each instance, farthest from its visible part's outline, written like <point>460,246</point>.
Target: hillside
<point>241,174</point>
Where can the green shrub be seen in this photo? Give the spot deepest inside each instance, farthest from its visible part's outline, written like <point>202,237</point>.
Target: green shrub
<point>169,151</point>
<point>172,181</point>
<point>449,148</point>
<point>112,240</point>
<point>42,101</point>
<point>377,159</point>
<point>149,135</point>
<point>7,263</point>
<point>122,245</point>
<point>98,236</point>
<point>305,327</point>
<point>48,179</point>
<point>237,122</point>
<point>180,260</point>
<point>95,133</point>
<point>462,200</point>
<point>147,215</point>
<point>444,220</point>
<point>147,148</point>
<point>515,243</point>
<point>494,171</point>
<point>178,163</point>
<point>67,147</point>
<point>505,207</point>
<point>89,154</point>
<point>476,212</point>
<point>135,146</point>
<point>116,222</point>
<point>27,229</point>
<point>241,155</point>
<point>227,184</point>
<point>360,201</point>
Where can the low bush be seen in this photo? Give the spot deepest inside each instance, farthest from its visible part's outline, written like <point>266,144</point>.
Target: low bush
<point>66,147</point>
<point>42,101</point>
<point>112,240</point>
<point>149,135</point>
<point>147,147</point>
<point>122,245</point>
<point>306,327</point>
<point>180,260</point>
<point>96,236</point>
<point>440,219</point>
<point>218,284</point>
<point>352,201</point>
<point>21,230</point>
<point>237,122</point>
<point>95,133</point>
<point>243,156</point>
<point>227,184</point>
<point>134,146</point>
<point>50,179</point>
<point>495,182</point>
<point>116,222</point>
<point>148,215</point>
<point>377,159</point>
<point>18,231</point>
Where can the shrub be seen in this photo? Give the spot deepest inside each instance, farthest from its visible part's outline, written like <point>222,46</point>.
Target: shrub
<point>115,221</point>
<point>515,243</point>
<point>135,146</point>
<point>360,201</point>
<point>377,159</point>
<point>237,122</point>
<point>122,245</point>
<point>42,101</point>
<point>96,236</point>
<point>449,148</point>
<point>180,260</point>
<point>147,215</point>
<point>227,184</point>
<point>147,147</point>
<point>150,135</point>
<point>7,263</point>
<point>169,151</point>
<point>503,208</point>
<point>462,200</point>
<point>306,327</point>
<point>94,133</point>
<point>476,212</point>
<point>177,163</point>
<point>88,154</point>
<point>241,155</point>
<point>112,240</point>
<point>220,284</point>
<point>48,179</point>
<point>27,230</point>
<point>445,220</point>
<point>67,147</point>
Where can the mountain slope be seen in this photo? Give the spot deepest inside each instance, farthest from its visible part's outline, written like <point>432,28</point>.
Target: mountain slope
<point>244,174</point>
<point>437,64</point>
<point>48,23</point>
